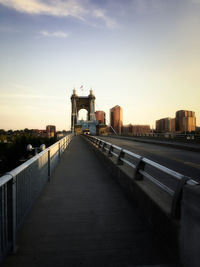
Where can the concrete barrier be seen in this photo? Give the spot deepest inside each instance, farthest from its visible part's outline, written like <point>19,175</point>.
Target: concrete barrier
<point>180,233</point>
<point>190,227</point>
<point>161,222</point>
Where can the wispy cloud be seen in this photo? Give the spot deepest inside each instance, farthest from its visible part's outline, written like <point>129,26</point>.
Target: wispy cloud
<point>80,9</point>
<point>51,7</point>
<point>58,34</point>
<point>101,14</point>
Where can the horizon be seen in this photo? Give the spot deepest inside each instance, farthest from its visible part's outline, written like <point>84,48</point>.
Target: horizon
<point>142,55</point>
<point>108,124</point>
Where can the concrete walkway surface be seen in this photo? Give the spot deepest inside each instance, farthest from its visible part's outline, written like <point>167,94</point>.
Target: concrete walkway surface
<point>83,218</point>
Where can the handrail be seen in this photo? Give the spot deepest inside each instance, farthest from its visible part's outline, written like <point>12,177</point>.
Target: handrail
<point>121,154</point>
<point>131,154</point>
<point>4,179</point>
<point>21,167</point>
<point>19,189</point>
<point>166,170</point>
<point>163,168</point>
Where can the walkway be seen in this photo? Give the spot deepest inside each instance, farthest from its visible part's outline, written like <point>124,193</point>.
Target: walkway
<point>82,218</point>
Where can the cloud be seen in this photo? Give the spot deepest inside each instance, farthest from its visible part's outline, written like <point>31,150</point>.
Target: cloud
<point>58,34</point>
<point>80,9</point>
<point>101,14</point>
<point>51,7</point>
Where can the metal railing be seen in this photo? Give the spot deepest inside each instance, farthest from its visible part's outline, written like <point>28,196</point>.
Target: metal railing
<point>163,179</point>
<point>20,188</point>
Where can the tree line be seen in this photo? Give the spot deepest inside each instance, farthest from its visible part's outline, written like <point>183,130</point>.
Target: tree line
<point>13,146</point>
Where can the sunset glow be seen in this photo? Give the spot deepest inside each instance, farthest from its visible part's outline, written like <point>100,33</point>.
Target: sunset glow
<point>142,55</point>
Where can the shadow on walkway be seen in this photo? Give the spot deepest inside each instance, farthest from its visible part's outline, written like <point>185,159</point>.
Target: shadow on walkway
<point>82,218</point>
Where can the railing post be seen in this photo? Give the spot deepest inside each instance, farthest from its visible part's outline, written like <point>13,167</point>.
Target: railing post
<point>99,144</point>
<point>110,151</point>
<point>103,147</point>
<point>49,165</point>
<point>59,150</point>
<point>67,140</point>
<point>120,157</point>
<point>140,166</point>
<point>176,202</point>
<point>14,215</point>
<point>64,144</point>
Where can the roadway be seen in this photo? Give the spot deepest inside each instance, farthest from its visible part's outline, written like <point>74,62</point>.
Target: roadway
<point>182,161</point>
<point>83,218</point>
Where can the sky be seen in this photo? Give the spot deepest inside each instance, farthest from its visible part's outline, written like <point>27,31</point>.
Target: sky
<point>143,55</point>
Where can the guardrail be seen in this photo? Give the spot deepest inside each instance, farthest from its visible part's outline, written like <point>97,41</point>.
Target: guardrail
<point>162,178</point>
<point>20,188</point>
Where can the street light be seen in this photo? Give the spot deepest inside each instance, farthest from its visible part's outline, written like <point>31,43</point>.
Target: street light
<point>36,149</point>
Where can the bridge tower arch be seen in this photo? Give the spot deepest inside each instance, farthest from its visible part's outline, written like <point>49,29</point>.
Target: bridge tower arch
<point>82,102</point>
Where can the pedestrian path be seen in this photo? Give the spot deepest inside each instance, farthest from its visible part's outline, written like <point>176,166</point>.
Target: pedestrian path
<point>83,218</point>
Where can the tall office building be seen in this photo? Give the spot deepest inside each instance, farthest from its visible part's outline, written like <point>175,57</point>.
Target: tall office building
<point>100,117</point>
<point>116,120</point>
<point>185,121</point>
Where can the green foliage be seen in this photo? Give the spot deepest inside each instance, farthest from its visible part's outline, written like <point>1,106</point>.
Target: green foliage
<point>2,138</point>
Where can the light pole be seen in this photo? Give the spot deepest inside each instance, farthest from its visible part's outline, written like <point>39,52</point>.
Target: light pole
<point>36,149</point>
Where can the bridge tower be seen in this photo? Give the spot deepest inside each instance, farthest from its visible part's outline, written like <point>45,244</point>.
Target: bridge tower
<point>87,103</point>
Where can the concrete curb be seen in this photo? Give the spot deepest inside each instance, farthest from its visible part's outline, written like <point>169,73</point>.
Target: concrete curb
<point>190,227</point>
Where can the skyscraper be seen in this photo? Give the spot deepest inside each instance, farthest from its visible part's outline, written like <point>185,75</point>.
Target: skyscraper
<point>116,120</point>
<point>100,117</point>
<point>185,121</point>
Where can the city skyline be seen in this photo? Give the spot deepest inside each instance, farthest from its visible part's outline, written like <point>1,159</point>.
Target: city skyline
<point>142,55</point>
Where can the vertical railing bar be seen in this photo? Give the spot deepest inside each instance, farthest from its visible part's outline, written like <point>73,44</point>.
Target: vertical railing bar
<point>121,156</point>
<point>49,165</point>
<point>6,214</point>
<point>3,219</point>
<point>1,223</point>
<point>18,194</point>
<point>22,194</point>
<point>17,201</point>
<point>59,149</point>
<point>29,184</point>
<point>14,223</point>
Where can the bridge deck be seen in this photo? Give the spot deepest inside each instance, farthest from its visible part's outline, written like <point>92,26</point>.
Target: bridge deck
<point>82,218</point>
